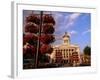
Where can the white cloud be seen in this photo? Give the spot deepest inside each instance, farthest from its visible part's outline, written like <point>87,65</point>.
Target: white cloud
<point>64,21</point>
<point>58,37</point>
<point>73,32</point>
<point>85,32</point>
<point>58,19</point>
<point>71,19</point>
<point>57,16</point>
<point>74,16</point>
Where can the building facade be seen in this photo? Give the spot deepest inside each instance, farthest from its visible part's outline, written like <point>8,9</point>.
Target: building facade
<point>66,53</point>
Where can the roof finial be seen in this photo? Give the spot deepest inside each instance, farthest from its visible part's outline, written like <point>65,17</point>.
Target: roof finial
<point>66,35</point>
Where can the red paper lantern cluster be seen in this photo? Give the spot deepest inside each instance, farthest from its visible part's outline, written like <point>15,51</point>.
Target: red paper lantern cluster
<point>29,37</point>
<point>29,49</point>
<point>33,18</point>
<point>48,19</point>
<point>32,32</point>
<point>48,29</point>
<point>47,38</point>
<point>45,49</point>
<point>31,27</point>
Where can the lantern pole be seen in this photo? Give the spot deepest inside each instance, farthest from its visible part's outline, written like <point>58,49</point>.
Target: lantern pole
<point>38,43</point>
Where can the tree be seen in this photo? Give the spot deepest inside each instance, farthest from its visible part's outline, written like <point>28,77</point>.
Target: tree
<point>87,56</point>
<point>87,50</point>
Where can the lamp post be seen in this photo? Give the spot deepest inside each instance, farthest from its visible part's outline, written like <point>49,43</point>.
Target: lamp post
<point>39,35</point>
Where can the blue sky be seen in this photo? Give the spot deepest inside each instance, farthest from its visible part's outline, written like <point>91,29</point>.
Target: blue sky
<point>78,25</point>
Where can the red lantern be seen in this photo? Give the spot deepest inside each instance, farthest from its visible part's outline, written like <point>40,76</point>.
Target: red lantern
<point>33,18</point>
<point>29,49</point>
<point>31,27</point>
<point>48,28</point>
<point>45,49</point>
<point>28,37</point>
<point>47,38</point>
<point>48,19</point>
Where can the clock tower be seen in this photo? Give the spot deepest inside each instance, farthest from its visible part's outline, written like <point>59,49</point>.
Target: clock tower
<point>66,39</point>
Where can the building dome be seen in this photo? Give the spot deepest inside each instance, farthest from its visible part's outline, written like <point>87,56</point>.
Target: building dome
<point>66,35</point>
<point>66,52</point>
<point>66,39</point>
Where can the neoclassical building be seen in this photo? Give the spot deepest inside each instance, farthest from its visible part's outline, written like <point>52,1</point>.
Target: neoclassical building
<point>66,52</point>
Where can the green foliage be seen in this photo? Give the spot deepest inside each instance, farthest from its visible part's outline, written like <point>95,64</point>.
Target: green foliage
<point>87,50</point>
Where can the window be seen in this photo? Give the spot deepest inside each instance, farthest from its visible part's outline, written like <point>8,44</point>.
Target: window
<point>65,41</point>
